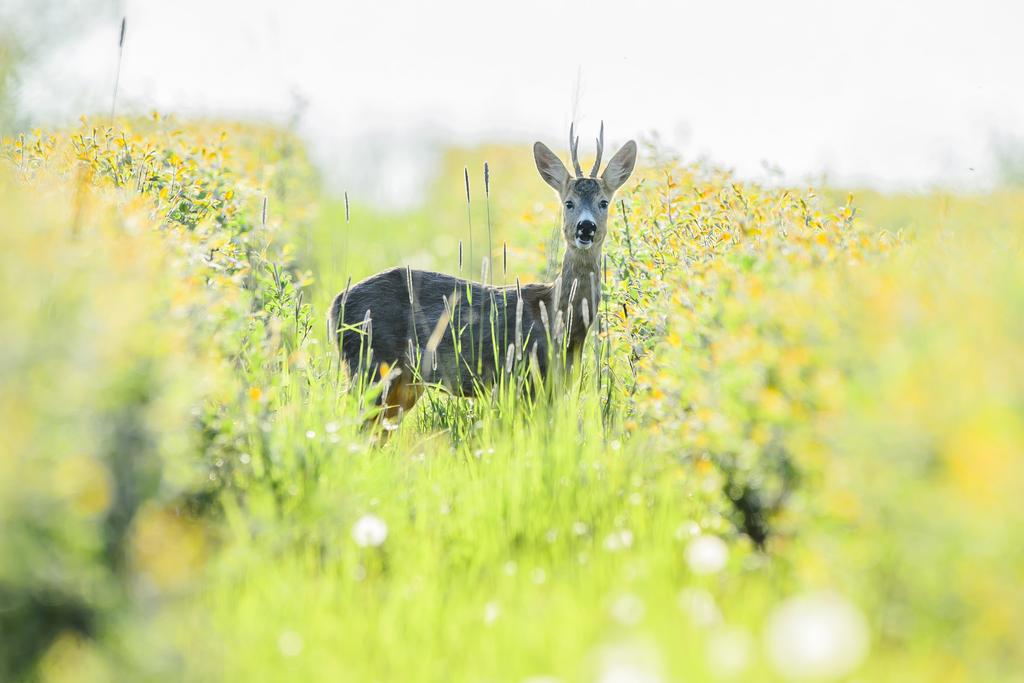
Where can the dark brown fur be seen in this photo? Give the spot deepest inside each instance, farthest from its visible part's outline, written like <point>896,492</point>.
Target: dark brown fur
<point>414,320</point>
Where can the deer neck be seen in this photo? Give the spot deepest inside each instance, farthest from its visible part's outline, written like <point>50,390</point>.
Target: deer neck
<point>582,267</point>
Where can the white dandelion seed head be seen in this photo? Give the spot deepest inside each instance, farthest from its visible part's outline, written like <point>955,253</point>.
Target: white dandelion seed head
<point>816,636</point>
<point>628,610</point>
<point>699,605</point>
<point>707,554</point>
<point>369,531</point>
<point>632,663</point>
<point>492,611</point>
<point>623,672</point>
<point>620,539</point>
<point>730,652</point>
<point>289,643</point>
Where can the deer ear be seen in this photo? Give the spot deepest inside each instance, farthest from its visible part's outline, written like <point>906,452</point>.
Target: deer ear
<point>551,168</point>
<point>620,167</point>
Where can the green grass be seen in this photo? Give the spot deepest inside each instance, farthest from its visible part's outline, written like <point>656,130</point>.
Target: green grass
<point>184,479</point>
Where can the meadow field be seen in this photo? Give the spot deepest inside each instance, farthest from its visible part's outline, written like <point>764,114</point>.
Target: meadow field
<point>792,452</point>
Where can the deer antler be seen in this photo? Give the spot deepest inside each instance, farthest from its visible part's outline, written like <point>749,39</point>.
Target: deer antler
<point>600,148</point>
<point>574,147</point>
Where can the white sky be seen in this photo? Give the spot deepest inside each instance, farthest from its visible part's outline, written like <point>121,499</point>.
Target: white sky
<point>895,93</point>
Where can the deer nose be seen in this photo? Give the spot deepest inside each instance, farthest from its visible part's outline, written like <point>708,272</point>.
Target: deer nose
<point>585,230</point>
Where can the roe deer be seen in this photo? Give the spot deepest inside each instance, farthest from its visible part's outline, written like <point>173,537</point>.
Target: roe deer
<point>412,328</point>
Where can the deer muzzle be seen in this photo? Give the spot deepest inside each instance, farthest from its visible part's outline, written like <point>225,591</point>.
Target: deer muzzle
<point>585,232</point>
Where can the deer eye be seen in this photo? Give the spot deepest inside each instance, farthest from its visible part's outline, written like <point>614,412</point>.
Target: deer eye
<point>604,204</point>
<point>569,205</point>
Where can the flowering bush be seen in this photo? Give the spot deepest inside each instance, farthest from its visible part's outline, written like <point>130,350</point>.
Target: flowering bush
<point>792,453</point>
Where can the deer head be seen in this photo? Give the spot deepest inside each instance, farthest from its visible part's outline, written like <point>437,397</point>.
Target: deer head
<point>585,200</point>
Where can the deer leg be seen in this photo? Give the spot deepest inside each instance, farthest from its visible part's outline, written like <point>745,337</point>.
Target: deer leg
<point>397,400</point>
<point>402,395</point>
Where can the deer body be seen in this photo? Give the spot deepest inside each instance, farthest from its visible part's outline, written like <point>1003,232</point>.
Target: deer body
<point>433,328</point>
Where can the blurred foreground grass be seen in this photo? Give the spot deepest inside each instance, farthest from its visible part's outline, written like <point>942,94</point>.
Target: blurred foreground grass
<point>185,493</point>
